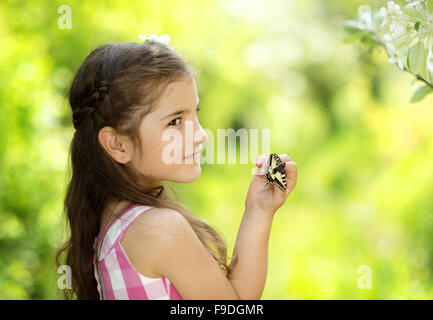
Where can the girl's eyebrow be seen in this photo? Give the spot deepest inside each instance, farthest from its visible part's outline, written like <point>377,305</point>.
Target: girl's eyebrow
<point>178,112</point>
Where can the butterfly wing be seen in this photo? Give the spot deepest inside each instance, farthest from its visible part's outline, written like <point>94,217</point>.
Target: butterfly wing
<point>276,171</point>
<point>269,169</point>
<point>280,180</point>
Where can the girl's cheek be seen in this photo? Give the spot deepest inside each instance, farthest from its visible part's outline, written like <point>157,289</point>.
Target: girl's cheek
<point>171,145</point>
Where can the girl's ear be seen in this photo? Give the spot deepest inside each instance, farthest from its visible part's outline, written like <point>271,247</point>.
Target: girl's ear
<point>117,146</point>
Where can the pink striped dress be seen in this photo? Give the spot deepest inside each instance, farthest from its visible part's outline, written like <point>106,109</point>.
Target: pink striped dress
<point>116,277</point>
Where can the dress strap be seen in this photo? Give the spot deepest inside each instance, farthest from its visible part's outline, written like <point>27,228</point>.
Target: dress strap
<point>114,229</point>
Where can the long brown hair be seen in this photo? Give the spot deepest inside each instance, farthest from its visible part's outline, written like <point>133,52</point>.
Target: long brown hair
<point>116,86</point>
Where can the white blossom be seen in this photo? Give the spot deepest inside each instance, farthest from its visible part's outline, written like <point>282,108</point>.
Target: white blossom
<point>164,39</point>
<point>416,4</point>
<point>391,13</point>
<point>397,28</point>
<point>387,37</point>
<point>429,61</point>
<point>364,18</point>
<point>395,56</point>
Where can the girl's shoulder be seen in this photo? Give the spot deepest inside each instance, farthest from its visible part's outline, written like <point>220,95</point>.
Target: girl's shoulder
<point>145,240</point>
<point>156,222</point>
<point>168,246</point>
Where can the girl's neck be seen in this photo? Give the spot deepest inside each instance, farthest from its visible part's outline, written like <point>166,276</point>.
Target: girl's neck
<point>113,208</point>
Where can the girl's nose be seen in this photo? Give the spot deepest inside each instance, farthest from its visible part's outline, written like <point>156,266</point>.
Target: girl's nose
<point>201,136</point>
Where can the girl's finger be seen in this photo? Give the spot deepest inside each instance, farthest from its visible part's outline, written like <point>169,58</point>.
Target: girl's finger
<point>260,171</point>
<point>291,176</point>
<point>260,160</point>
<point>291,171</point>
<point>284,157</point>
<point>260,167</point>
<point>290,166</point>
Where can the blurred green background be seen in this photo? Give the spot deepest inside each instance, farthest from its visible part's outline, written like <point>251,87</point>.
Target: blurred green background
<point>365,155</point>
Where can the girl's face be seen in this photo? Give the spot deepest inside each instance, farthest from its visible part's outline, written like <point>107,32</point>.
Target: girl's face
<point>171,134</point>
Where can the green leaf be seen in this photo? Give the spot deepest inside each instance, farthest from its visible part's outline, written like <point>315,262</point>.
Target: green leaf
<point>423,69</point>
<point>350,38</point>
<point>429,76</point>
<point>415,57</point>
<point>411,12</point>
<point>352,26</point>
<point>366,39</point>
<point>420,93</point>
<point>401,42</point>
<point>417,25</point>
<point>430,6</point>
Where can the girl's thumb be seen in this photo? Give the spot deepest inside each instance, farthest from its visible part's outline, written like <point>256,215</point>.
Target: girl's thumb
<point>260,160</point>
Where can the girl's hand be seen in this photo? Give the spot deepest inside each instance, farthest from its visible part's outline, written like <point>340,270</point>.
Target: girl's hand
<point>269,198</point>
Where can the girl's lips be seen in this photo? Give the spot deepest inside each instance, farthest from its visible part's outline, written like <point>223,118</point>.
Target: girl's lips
<point>195,154</point>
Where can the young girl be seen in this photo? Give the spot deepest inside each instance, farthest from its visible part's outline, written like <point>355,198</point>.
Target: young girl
<point>128,238</point>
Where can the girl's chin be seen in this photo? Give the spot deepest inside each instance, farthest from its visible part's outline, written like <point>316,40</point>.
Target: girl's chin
<point>188,174</point>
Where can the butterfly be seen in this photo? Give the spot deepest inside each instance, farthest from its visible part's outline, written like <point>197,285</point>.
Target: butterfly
<point>275,173</point>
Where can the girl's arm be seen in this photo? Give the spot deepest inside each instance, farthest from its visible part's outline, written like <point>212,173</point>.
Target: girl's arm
<point>163,242</point>
<point>250,256</point>
<point>249,263</point>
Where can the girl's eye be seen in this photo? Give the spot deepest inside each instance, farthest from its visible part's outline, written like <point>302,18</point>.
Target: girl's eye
<point>171,122</point>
